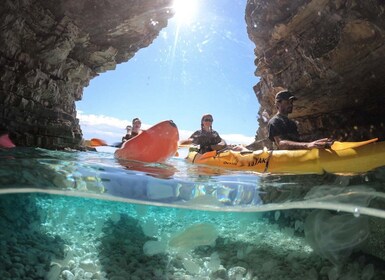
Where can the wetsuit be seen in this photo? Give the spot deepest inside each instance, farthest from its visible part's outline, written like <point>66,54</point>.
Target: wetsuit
<point>205,139</point>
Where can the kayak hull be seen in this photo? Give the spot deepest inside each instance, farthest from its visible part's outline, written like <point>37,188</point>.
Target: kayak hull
<point>156,144</point>
<point>316,161</point>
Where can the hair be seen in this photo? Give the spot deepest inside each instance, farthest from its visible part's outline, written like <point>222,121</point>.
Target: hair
<point>135,119</point>
<point>204,116</point>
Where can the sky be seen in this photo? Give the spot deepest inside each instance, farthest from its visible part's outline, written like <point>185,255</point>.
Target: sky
<point>202,62</point>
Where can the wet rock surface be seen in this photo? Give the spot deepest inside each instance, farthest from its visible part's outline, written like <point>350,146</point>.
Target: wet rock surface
<point>50,50</point>
<point>330,54</point>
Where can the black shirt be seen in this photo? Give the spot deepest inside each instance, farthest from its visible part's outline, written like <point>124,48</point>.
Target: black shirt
<point>205,139</point>
<point>283,127</point>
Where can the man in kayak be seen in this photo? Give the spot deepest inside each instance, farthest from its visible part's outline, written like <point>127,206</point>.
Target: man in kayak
<point>283,132</point>
<point>128,133</point>
<point>207,138</point>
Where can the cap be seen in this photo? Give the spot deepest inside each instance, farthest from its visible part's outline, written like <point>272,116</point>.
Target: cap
<point>284,95</point>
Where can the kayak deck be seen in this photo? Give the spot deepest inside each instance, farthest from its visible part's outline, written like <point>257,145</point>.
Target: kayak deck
<point>358,159</point>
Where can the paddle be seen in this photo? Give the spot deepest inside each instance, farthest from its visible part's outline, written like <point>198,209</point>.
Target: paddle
<point>336,146</point>
<point>96,142</point>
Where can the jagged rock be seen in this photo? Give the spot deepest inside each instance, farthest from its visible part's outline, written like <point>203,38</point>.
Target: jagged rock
<point>331,54</point>
<point>50,50</point>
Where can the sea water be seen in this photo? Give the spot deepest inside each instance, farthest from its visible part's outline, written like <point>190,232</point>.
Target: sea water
<point>86,215</point>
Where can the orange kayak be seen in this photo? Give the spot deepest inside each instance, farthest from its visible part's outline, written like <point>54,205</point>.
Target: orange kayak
<point>156,144</point>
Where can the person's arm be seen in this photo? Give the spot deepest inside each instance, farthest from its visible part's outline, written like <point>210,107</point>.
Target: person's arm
<point>222,144</point>
<point>186,141</point>
<point>293,145</point>
<point>124,138</point>
<point>193,139</point>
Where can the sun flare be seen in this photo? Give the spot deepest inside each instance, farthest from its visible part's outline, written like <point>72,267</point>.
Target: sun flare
<point>185,10</point>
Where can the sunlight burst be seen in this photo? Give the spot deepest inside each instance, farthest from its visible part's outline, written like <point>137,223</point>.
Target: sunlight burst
<point>185,10</point>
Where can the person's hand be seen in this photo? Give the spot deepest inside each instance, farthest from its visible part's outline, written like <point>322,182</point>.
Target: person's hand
<point>323,143</point>
<point>239,148</point>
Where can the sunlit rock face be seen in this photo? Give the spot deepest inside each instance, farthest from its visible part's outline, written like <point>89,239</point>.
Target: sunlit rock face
<point>331,54</point>
<point>50,50</point>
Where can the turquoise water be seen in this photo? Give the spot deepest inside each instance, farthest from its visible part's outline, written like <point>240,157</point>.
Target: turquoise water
<point>85,215</point>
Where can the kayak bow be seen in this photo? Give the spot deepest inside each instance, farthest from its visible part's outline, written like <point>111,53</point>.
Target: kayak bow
<point>156,144</point>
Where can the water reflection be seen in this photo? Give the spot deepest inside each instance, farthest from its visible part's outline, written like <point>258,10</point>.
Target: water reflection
<point>181,184</point>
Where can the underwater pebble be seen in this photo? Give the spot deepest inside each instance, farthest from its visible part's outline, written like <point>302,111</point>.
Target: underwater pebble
<point>67,275</point>
<point>88,275</point>
<point>333,273</point>
<point>88,265</point>
<point>236,273</point>
<point>117,278</point>
<point>312,274</point>
<point>367,272</point>
<point>220,273</point>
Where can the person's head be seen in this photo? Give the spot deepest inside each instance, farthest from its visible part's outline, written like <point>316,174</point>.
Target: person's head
<point>284,102</point>
<point>128,128</point>
<point>207,121</point>
<point>136,124</point>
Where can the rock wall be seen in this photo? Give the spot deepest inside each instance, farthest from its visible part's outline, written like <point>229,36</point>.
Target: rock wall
<point>331,54</point>
<point>50,50</point>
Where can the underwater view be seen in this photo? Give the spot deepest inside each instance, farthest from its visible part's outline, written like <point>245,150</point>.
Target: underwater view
<point>86,215</point>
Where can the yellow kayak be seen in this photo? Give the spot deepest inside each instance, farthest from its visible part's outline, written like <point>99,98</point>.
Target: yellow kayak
<point>342,157</point>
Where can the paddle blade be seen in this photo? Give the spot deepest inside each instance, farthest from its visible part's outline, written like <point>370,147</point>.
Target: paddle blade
<point>208,155</point>
<point>337,146</point>
<point>96,142</point>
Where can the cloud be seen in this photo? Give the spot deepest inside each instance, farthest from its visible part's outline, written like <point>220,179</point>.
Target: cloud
<point>112,129</point>
<point>104,127</point>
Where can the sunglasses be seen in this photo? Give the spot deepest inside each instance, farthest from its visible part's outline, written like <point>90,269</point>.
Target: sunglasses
<point>208,120</point>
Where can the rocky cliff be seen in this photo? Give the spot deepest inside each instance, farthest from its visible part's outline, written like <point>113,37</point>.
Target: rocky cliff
<point>331,54</point>
<point>50,50</point>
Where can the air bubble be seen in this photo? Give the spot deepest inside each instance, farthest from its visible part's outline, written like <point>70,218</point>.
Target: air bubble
<point>356,212</point>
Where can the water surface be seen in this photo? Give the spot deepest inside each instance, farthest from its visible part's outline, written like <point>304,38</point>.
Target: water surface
<point>85,215</point>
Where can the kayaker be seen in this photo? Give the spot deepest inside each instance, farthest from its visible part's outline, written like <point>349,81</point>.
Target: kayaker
<point>5,141</point>
<point>133,130</point>
<point>128,133</point>
<point>283,132</point>
<point>207,138</point>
